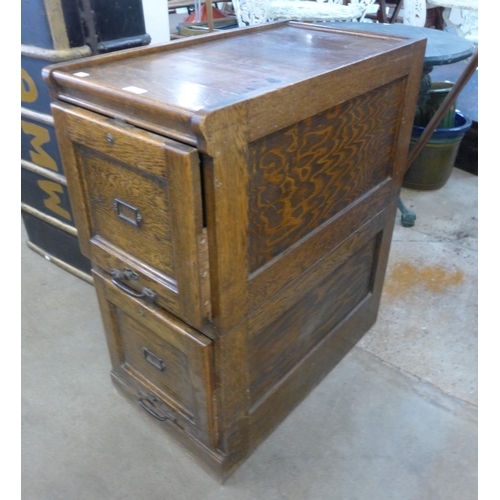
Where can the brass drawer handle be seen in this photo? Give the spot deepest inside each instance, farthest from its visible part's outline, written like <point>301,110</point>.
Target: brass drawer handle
<point>149,404</point>
<point>116,277</point>
<point>157,362</point>
<point>127,212</point>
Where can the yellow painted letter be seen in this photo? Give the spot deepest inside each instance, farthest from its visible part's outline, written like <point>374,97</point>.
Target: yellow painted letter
<point>40,136</point>
<point>53,202</point>
<point>29,93</point>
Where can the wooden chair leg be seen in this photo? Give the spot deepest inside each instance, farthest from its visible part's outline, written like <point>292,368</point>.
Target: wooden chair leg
<point>381,15</point>
<point>395,14</point>
<point>382,12</point>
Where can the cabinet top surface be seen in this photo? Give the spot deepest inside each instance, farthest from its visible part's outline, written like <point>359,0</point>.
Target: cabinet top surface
<point>215,70</point>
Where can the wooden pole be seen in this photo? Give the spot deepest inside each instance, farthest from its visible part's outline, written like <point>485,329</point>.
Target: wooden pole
<point>210,15</point>
<point>436,119</point>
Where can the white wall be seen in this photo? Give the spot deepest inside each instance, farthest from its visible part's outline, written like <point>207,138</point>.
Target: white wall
<point>156,19</point>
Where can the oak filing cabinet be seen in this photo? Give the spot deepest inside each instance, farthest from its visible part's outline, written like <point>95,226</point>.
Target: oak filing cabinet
<point>236,194</point>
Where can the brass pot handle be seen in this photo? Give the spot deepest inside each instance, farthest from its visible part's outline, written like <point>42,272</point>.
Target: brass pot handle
<point>148,403</point>
<point>117,277</point>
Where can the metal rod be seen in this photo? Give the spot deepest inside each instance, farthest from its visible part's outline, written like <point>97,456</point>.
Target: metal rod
<point>408,217</point>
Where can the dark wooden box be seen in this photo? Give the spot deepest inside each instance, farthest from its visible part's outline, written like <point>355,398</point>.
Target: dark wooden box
<point>57,245</point>
<point>101,25</point>
<point>236,193</point>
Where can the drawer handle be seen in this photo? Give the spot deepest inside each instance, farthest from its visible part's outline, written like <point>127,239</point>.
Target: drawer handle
<point>157,362</point>
<point>116,277</point>
<point>149,404</point>
<point>123,210</point>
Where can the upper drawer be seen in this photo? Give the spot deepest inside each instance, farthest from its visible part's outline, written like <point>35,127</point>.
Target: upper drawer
<point>140,193</point>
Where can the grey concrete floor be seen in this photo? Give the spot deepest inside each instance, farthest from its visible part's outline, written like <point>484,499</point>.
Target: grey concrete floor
<point>396,419</point>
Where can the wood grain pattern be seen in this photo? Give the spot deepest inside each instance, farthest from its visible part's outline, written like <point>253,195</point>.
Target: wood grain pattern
<point>268,411</point>
<point>186,385</point>
<point>184,180</point>
<point>413,82</point>
<point>332,236</point>
<point>265,235</point>
<point>151,240</point>
<point>223,134</point>
<point>174,380</point>
<point>107,257</point>
<point>210,459</point>
<point>276,349</point>
<point>270,75</point>
<point>312,277</point>
<point>305,174</point>
<point>305,376</point>
<point>199,73</point>
<point>231,377</point>
<point>116,139</point>
<point>76,183</point>
<point>141,194</point>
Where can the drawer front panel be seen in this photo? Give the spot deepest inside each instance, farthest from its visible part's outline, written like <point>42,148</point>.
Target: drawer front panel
<point>134,276</point>
<point>163,364</point>
<point>139,194</point>
<point>165,356</point>
<point>130,209</point>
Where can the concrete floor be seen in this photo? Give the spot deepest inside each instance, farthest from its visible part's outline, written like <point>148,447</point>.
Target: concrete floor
<point>396,419</point>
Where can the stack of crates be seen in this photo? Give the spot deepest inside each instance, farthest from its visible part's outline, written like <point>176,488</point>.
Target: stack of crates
<point>55,31</point>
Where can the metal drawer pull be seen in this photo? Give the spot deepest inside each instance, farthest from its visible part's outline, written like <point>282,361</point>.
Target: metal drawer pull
<point>146,293</point>
<point>148,403</point>
<point>126,274</point>
<point>122,209</point>
<point>157,362</point>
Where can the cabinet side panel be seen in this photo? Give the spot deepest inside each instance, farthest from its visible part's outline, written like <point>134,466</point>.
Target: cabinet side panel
<point>278,396</point>
<point>305,174</point>
<point>279,347</point>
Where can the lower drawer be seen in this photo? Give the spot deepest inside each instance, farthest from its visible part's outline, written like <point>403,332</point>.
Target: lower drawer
<point>168,363</point>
